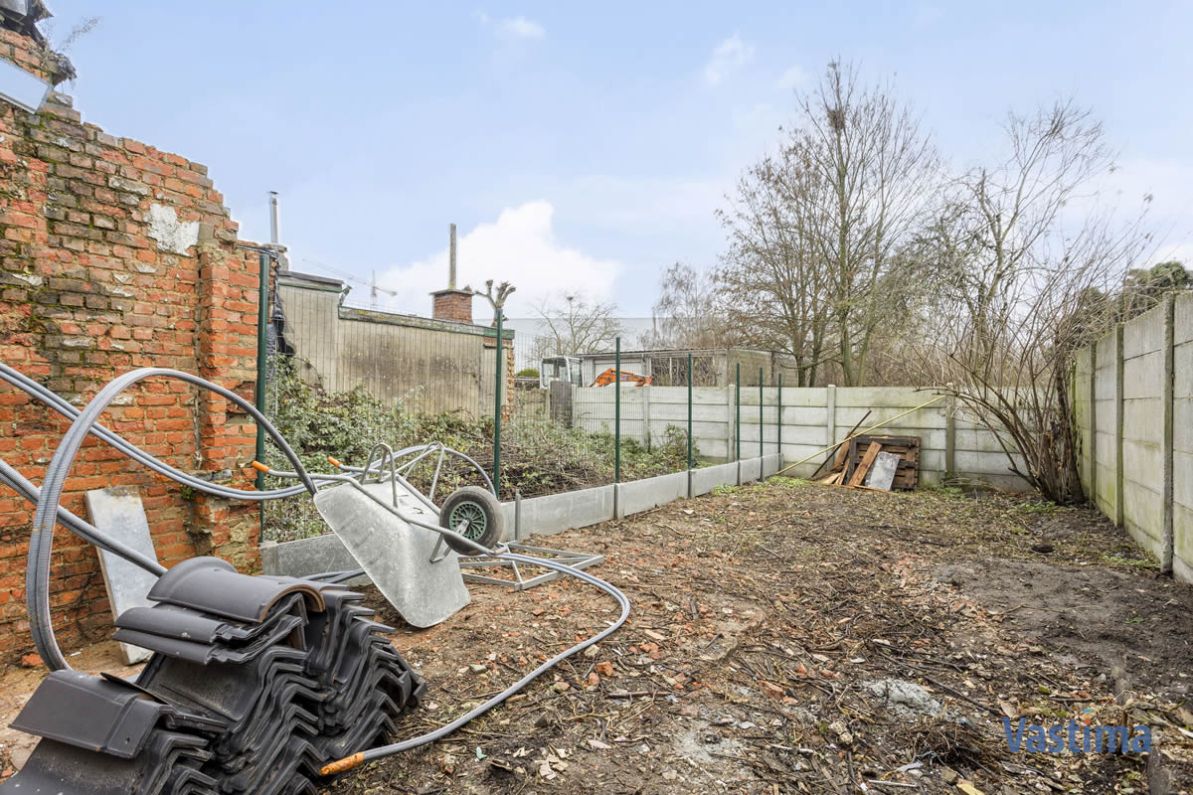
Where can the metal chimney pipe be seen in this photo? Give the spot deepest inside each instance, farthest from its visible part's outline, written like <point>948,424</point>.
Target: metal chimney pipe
<point>275,223</point>
<point>451,260</point>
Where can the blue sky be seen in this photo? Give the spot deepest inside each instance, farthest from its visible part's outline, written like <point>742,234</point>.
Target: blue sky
<point>583,148</point>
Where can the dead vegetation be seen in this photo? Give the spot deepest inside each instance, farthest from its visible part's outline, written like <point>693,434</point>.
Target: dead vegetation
<point>794,638</point>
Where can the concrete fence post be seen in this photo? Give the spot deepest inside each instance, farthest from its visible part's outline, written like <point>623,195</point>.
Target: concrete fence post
<point>950,437</point>
<point>646,436</point>
<point>1167,396</point>
<point>729,422</point>
<point>830,411</point>
<point>1119,507</point>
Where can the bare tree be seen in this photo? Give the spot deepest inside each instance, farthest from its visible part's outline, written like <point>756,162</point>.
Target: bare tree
<point>815,232</point>
<point>688,313</point>
<point>774,282</point>
<point>877,170</point>
<point>1027,276</point>
<point>576,325</point>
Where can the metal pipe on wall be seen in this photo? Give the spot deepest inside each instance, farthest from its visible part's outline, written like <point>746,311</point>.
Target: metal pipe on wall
<point>275,219</point>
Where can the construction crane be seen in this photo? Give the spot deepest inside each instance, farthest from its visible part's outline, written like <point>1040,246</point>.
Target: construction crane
<point>375,290</point>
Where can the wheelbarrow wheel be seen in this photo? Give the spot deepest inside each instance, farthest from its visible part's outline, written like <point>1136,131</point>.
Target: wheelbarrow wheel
<point>481,513</point>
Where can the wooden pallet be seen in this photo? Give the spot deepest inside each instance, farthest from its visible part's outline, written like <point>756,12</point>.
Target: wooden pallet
<point>907,475</point>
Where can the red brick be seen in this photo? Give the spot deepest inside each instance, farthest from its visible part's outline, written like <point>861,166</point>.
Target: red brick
<point>195,312</point>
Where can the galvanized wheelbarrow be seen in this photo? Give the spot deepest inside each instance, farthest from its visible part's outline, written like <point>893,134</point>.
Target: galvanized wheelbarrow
<point>407,545</point>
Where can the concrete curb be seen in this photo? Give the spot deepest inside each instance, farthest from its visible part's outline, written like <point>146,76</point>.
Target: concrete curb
<point>642,495</point>
<point>545,515</point>
<point>706,479</point>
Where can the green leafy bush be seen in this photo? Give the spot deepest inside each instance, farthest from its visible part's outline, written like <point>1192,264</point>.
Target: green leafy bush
<point>538,457</point>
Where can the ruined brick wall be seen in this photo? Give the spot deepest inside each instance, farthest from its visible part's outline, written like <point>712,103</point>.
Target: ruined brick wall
<point>114,255</point>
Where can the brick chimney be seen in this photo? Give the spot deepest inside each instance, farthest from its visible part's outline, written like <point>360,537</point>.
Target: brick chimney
<point>452,304</point>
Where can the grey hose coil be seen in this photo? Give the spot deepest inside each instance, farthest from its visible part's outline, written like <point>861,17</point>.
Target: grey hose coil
<point>41,539</point>
<point>443,731</point>
<point>49,510</point>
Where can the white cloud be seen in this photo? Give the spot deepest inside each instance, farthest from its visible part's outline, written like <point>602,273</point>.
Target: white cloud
<point>795,77</point>
<point>729,56</point>
<point>519,247</point>
<point>520,28</point>
<point>512,28</point>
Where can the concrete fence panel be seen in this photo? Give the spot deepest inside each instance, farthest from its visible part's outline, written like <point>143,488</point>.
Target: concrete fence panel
<point>1182,442</point>
<point>706,479</point>
<point>812,419</point>
<point>1133,411</point>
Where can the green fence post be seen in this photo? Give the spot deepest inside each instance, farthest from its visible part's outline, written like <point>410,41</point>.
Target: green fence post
<point>262,357</point>
<point>497,410</point>
<point>689,411</point>
<point>617,413</point>
<point>760,453</point>
<point>737,412</point>
<point>263,261</point>
<point>779,419</point>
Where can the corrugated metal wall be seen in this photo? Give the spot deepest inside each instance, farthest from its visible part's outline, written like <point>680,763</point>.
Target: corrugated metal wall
<point>429,365</point>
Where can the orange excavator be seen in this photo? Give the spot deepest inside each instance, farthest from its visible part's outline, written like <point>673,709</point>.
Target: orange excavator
<point>610,377</point>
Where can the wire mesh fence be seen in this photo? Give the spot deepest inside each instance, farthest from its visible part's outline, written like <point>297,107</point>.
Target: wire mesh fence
<point>537,437</point>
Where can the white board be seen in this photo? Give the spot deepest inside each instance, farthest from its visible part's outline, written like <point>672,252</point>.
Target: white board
<point>118,512</point>
<point>882,471</point>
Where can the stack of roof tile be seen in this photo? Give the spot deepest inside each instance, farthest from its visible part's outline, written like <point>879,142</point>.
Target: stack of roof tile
<point>254,685</point>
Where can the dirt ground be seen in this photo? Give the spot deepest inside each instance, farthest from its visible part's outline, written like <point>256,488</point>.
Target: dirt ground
<point>790,637</point>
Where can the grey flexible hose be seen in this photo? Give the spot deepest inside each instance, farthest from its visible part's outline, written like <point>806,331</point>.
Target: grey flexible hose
<point>438,734</point>
<point>349,762</point>
<point>55,402</point>
<point>49,510</point>
<point>41,539</point>
<point>84,530</point>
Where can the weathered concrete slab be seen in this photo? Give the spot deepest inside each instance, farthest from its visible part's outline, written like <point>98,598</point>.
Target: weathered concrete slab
<point>882,473</point>
<point>749,470</point>
<point>555,513</point>
<point>119,513</point>
<point>706,479</point>
<point>1144,334</point>
<point>1183,318</point>
<point>642,495</point>
<point>771,464</point>
<point>1143,515</point>
<point>308,556</point>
